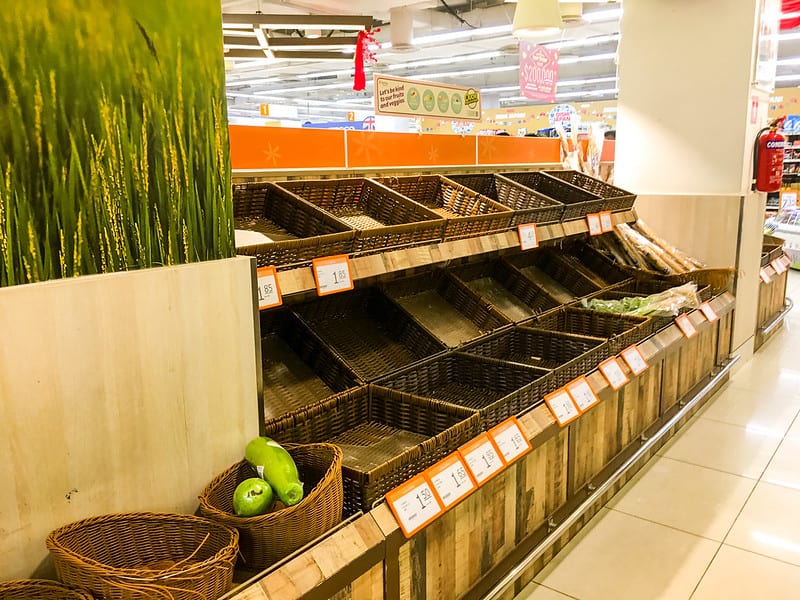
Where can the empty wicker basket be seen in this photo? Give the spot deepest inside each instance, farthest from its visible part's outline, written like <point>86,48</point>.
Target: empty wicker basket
<point>266,539</point>
<point>146,555</point>
<point>39,589</point>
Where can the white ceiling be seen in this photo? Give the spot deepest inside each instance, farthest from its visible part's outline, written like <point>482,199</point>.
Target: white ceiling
<point>322,90</point>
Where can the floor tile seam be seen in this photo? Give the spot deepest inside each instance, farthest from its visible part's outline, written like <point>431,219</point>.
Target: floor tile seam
<point>776,436</point>
<point>687,462</point>
<point>762,555</point>
<point>654,522</point>
<point>552,589</point>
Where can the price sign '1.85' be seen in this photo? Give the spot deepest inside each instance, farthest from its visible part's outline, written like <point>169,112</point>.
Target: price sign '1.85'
<point>482,458</point>
<point>450,479</point>
<point>528,238</point>
<point>510,440</point>
<point>269,292</point>
<point>332,274</point>
<point>414,505</point>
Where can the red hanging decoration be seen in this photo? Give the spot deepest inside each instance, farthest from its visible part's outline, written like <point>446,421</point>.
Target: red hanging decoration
<point>364,53</point>
<point>790,6</point>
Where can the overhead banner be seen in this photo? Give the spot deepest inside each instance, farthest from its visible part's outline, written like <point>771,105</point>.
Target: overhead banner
<point>538,71</point>
<point>396,97</point>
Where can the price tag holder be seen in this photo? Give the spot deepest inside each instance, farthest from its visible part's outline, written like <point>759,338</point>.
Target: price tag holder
<point>709,312</point>
<point>778,265</point>
<point>634,359</point>
<point>612,371</point>
<point>528,237</point>
<point>562,406</point>
<point>332,274</point>
<point>764,275</point>
<point>582,393</point>
<point>510,440</point>
<point>686,326</point>
<point>482,458</point>
<point>414,505</point>
<point>787,262</point>
<point>606,222</point>
<point>450,480</point>
<point>269,292</point>
<point>593,221</point>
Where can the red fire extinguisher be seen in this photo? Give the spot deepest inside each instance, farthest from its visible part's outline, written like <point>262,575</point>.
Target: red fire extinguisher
<point>768,158</point>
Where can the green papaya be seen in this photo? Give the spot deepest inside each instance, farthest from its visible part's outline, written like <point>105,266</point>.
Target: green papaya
<point>276,466</point>
<point>252,497</point>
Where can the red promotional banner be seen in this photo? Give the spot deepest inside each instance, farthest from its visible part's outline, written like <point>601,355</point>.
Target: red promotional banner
<point>538,71</point>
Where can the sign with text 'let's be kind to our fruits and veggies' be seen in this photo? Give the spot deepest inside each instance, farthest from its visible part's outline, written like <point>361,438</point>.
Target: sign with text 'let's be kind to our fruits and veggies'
<point>397,97</point>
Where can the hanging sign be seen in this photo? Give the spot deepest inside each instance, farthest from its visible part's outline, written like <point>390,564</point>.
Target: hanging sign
<point>562,114</point>
<point>397,97</point>
<point>538,71</point>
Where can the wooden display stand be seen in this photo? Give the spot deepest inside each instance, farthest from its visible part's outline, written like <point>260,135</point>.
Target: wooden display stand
<point>771,305</point>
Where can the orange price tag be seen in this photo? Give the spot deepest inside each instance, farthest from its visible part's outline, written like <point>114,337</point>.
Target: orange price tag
<point>582,393</point>
<point>510,440</point>
<point>269,292</point>
<point>612,371</point>
<point>606,223</point>
<point>686,326</point>
<point>450,479</point>
<point>778,265</point>
<point>562,406</point>
<point>482,458</point>
<point>709,312</point>
<point>634,359</point>
<point>787,262</point>
<point>414,505</point>
<point>332,274</point>
<point>764,274</point>
<point>593,221</point>
<point>528,238</point>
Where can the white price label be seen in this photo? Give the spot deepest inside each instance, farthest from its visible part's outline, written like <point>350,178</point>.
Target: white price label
<point>450,479</point>
<point>778,265</point>
<point>332,274</point>
<point>528,238</point>
<point>593,221</point>
<point>414,505</point>
<point>269,293</point>
<point>787,262</point>
<point>482,458</point>
<point>510,440</point>
<point>686,326</point>
<point>612,371</point>
<point>582,393</point>
<point>764,274</point>
<point>634,359</point>
<point>606,223</point>
<point>561,405</point>
<point>709,312</point>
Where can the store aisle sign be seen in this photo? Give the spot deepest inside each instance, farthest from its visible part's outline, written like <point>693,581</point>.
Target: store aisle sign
<point>269,292</point>
<point>562,114</point>
<point>538,71</point>
<point>332,274</point>
<point>397,97</point>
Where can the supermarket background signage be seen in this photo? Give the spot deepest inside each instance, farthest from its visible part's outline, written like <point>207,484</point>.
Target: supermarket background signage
<point>368,124</point>
<point>562,114</point>
<point>791,125</point>
<point>397,97</point>
<point>538,71</point>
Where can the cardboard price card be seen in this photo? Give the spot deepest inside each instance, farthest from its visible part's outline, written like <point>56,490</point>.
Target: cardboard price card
<point>709,312</point>
<point>764,275</point>
<point>482,458</point>
<point>787,262</point>
<point>269,292</point>
<point>450,480</point>
<point>595,227</point>
<point>778,265</point>
<point>510,440</point>
<point>414,505</point>
<point>612,371</point>
<point>562,406</point>
<point>606,222</point>
<point>528,238</point>
<point>634,359</point>
<point>582,393</point>
<point>332,274</point>
<point>686,326</point>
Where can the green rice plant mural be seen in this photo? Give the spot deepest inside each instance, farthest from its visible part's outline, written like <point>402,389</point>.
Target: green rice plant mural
<point>113,137</point>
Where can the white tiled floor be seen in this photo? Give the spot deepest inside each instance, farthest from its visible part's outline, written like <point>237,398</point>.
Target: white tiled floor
<point>716,514</point>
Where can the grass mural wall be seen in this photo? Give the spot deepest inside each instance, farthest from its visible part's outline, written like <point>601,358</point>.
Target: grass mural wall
<point>113,137</point>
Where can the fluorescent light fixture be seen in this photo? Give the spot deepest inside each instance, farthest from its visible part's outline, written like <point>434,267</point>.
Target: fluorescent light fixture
<point>238,32</point>
<point>311,88</point>
<point>339,23</point>
<point>571,82</point>
<point>445,61</point>
<point>336,73</point>
<point>602,16</point>
<point>590,41</point>
<point>536,17</point>
<point>502,88</point>
<point>261,81</point>
<point>569,60</point>
<point>259,97</point>
<point>435,38</point>
<point>425,76</point>
<point>587,93</point>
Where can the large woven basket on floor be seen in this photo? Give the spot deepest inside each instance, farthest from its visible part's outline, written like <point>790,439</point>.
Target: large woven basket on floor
<point>39,589</point>
<point>146,555</point>
<point>266,539</point>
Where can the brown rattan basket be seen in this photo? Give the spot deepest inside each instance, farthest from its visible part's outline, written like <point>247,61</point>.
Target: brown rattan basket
<point>387,437</point>
<point>499,284</point>
<point>146,555</point>
<point>266,539</point>
<point>468,213</point>
<point>39,589</point>
<point>551,272</point>
<point>529,206</point>
<point>444,307</point>
<point>577,202</point>
<point>496,389</point>
<point>383,218</point>
<point>593,264</point>
<point>300,230</point>
<point>615,199</point>
<point>367,332</point>
<point>298,369</point>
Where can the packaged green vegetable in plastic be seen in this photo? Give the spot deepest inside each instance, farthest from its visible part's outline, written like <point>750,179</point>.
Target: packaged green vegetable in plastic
<point>663,304</point>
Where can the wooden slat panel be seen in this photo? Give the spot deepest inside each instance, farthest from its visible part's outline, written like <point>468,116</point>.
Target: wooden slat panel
<point>669,382</point>
<point>594,439</point>
<point>640,404</point>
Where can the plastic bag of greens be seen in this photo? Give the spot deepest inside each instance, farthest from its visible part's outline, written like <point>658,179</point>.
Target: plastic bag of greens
<point>663,304</point>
